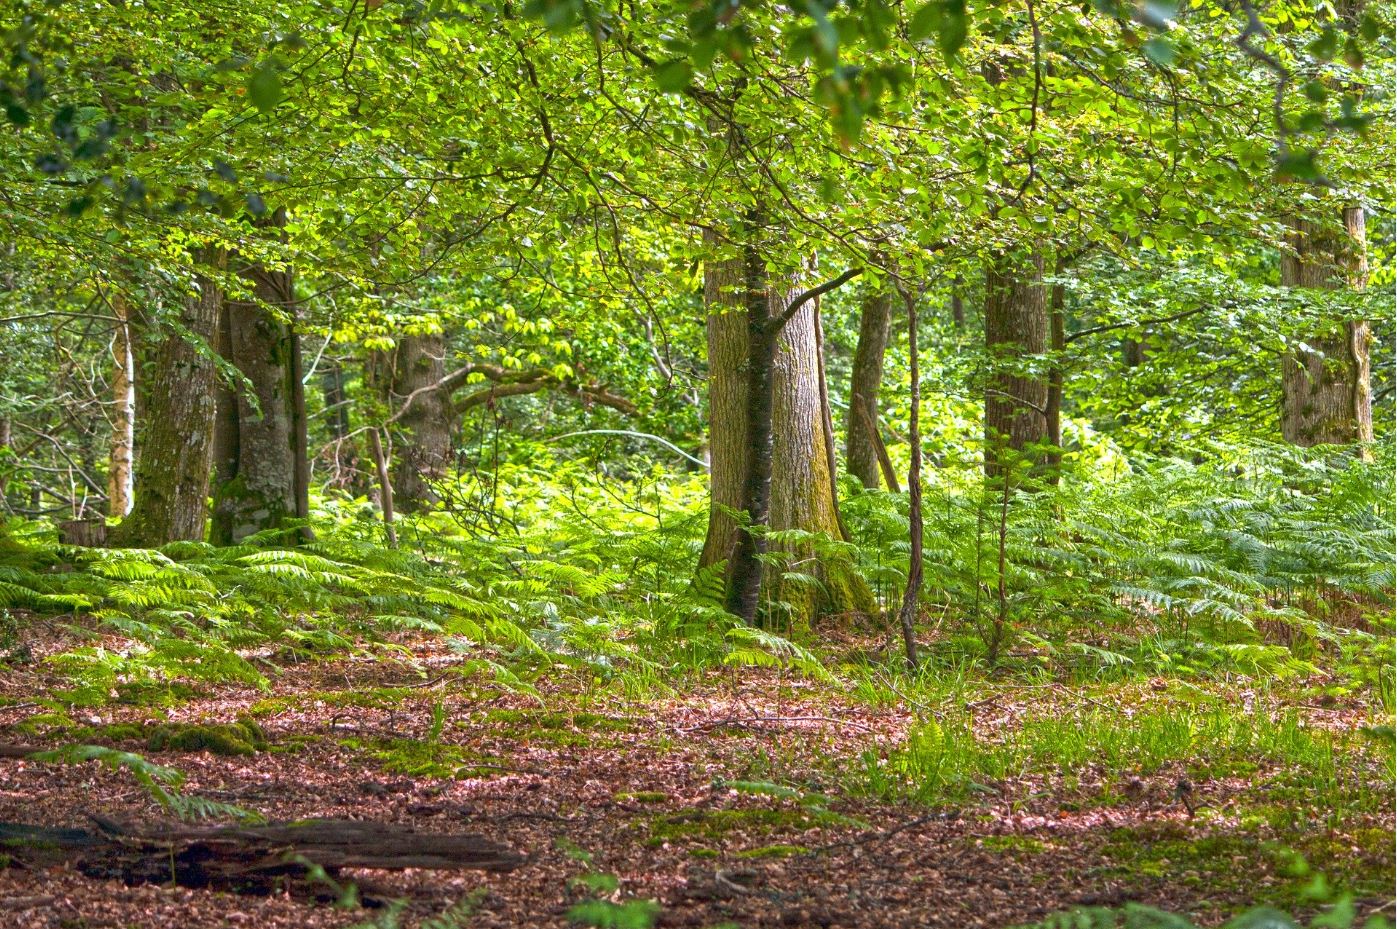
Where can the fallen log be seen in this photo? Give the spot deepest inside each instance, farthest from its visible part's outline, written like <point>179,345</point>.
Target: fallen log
<point>248,859</point>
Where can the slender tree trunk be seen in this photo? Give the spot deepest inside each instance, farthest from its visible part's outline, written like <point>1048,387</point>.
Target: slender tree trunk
<point>768,446</point>
<point>957,303</point>
<point>865,382</point>
<point>1016,330</point>
<point>258,440</point>
<point>1326,391</point>
<point>424,441</point>
<point>1057,343</point>
<point>172,474</point>
<point>120,477</point>
<point>907,615</point>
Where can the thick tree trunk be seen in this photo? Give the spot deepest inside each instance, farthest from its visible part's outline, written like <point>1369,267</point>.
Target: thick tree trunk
<point>1326,392</point>
<point>1016,329</point>
<point>120,479</point>
<point>861,454</point>
<point>256,488</point>
<point>172,474</point>
<point>424,439</point>
<point>798,492</point>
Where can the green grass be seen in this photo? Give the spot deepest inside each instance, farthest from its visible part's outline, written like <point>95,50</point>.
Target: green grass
<point>947,761</point>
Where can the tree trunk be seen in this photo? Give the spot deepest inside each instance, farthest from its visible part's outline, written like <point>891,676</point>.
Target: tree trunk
<point>1016,330</point>
<point>256,488</point>
<point>861,455</point>
<point>1326,391</point>
<point>120,487</point>
<point>798,490</point>
<point>1057,343</point>
<point>424,441</point>
<point>172,474</point>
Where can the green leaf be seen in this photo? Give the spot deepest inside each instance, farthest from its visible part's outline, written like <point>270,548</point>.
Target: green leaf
<point>954,27</point>
<point>924,21</point>
<point>674,76</point>
<point>264,87</point>
<point>1159,51</point>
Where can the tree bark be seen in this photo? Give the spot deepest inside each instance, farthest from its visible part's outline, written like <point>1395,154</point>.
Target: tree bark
<point>256,482</point>
<point>172,473</point>
<point>1057,344</point>
<point>907,615</point>
<point>1326,391</point>
<point>120,486</point>
<point>768,447</point>
<point>865,382</point>
<point>1016,330</point>
<point>424,440</point>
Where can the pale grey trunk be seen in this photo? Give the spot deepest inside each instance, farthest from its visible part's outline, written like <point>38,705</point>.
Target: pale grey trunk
<point>423,443</point>
<point>1326,390</point>
<point>120,475</point>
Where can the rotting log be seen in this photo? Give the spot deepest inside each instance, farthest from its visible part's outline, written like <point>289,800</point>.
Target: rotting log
<point>248,859</point>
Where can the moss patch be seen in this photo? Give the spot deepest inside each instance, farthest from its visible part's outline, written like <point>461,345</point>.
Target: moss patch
<point>717,825</point>
<point>1013,844</point>
<point>372,698</point>
<point>424,759</point>
<point>244,737</point>
<point>772,851</point>
<point>641,796</point>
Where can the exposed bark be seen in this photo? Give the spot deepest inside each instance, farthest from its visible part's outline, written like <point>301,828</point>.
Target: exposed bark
<point>957,303</point>
<point>1326,392</point>
<point>385,487</point>
<point>120,474</point>
<point>865,382</point>
<point>1057,344</point>
<point>256,488</point>
<point>250,859</point>
<point>907,615</point>
<point>172,473</point>
<point>423,441</point>
<point>1016,330</point>
<point>768,445</point>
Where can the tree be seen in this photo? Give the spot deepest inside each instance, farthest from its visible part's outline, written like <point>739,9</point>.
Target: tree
<point>176,449</point>
<point>120,476</point>
<point>424,444</point>
<point>257,438</point>
<point>865,382</point>
<point>1016,336</point>
<point>767,441</point>
<point>1325,383</point>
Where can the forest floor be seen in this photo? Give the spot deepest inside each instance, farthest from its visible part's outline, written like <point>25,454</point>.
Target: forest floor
<point>640,786</point>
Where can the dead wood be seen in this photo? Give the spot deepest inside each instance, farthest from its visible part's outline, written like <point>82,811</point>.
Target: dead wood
<point>248,859</point>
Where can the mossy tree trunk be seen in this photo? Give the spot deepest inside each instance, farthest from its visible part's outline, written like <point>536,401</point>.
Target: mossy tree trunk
<point>1016,331</point>
<point>865,382</point>
<point>801,490</point>
<point>176,450</point>
<point>423,441</point>
<point>256,483</point>
<point>1326,389</point>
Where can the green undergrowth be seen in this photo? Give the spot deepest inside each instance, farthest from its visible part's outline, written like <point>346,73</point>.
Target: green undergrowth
<point>1287,761</point>
<point>1250,865</point>
<point>429,759</point>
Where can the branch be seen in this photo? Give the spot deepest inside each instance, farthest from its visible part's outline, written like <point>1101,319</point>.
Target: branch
<point>780,322</point>
<point>1108,327</point>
